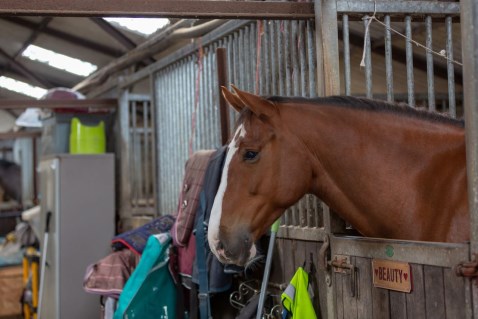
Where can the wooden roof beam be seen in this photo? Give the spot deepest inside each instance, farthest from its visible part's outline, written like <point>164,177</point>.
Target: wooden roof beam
<point>25,72</point>
<point>98,47</point>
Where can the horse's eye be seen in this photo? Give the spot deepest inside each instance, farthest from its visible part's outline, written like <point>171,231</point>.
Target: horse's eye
<point>250,155</point>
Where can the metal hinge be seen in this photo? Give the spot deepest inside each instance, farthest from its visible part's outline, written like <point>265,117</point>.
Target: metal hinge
<point>468,269</point>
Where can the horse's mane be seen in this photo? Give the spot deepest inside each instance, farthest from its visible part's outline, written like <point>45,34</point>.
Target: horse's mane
<point>372,105</point>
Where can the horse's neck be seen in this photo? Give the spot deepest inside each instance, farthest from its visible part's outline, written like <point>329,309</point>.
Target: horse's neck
<point>370,166</point>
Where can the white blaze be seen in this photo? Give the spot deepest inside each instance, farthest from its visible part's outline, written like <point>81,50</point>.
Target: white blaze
<point>215,218</point>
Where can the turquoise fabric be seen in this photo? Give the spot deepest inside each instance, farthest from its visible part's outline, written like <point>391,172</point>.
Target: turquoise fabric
<point>150,292</point>
<point>296,299</point>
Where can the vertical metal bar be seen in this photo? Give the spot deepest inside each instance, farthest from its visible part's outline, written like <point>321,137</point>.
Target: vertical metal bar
<point>294,38</point>
<point>221,60</point>
<point>450,67</point>
<point>345,30</point>
<point>288,58</point>
<point>154,145</point>
<point>34,170</point>
<point>303,59</point>
<point>135,158</point>
<point>265,87</point>
<point>274,58</point>
<point>409,58</point>
<point>146,162</point>
<point>429,55</point>
<point>469,36</point>
<point>388,60</point>
<point>139,159</point>
<point>280,56</point>
<point>368,61</point>
<point>311,59</point>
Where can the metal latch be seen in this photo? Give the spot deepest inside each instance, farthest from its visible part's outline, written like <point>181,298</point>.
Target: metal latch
<point>468,269</point>
<point>341,264</point>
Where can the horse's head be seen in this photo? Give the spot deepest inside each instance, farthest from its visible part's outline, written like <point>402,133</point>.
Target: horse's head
<point>265,172</point>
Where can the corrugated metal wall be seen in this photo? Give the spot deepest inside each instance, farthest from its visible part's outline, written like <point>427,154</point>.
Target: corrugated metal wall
<point>187,95</point>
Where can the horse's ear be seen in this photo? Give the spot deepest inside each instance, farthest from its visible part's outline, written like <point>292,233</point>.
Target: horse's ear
<point>232,99</point>
<point>258,105</point>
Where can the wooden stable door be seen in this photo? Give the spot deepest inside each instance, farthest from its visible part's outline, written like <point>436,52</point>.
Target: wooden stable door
<point>435,290</point>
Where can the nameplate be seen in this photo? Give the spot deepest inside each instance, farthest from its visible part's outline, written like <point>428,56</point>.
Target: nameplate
<point>393,275</point>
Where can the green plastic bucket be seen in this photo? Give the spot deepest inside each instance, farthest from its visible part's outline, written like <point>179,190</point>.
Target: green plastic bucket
<point>87,139</point>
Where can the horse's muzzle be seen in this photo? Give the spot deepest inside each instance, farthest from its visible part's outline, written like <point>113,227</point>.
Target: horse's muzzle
<point>237,250</point>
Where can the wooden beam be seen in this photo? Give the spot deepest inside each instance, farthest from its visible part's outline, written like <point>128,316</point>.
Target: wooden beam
<point>126,42</point>
<point>64,104</point>
<point>20,134</point>
<point>164,8</point>
<point>27,73</point>
<point>33,36</point>
<point>98,47</point>
<point>9,69</point>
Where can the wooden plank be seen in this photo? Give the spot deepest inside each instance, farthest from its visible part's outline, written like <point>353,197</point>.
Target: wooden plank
<point>434,294</point>
<point>455,305</point>
<point>416,299</point>
<point>288,261</point>
<point>317,280</point>
<point>398,305</point>
<point>426,253</point>
<point>350,302</point>
<point>381,305</point>
<point>277,272</point>
<point>364,288</point>
<point>339,295</point>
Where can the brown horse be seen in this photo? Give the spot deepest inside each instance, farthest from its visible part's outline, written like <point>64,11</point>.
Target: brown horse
<point>389,170</point>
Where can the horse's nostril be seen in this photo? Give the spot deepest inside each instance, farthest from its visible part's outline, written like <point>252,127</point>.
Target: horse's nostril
<point>219,246</point>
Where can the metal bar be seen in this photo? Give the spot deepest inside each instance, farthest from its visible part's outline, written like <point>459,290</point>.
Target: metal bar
<point>345,32</point>
<point>388,59</point>
<point>400,55</point>
<point>154,146</point>
<point>67,37</point>
<point>430,79</point>
<point>397,8</point>
<point>312,63</point>
<point>368,61</point>
<point>124,146</point>
<point>146,147</point>
<point>469,36</point>
<point>450,67</point>
<point>134,162</point>
<point>163,9</point>
<point>221,60</point>
<point>409,53</point>
<point>50,104</point>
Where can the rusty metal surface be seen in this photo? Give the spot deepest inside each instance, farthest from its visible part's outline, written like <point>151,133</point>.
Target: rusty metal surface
<point>50,104</point>
<point>221,64</point>
<point>468,268</point>
<point>163,8</point>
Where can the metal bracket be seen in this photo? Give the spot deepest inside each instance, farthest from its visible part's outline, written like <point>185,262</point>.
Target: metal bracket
<point>341,264</point>
<point>468,269</point>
